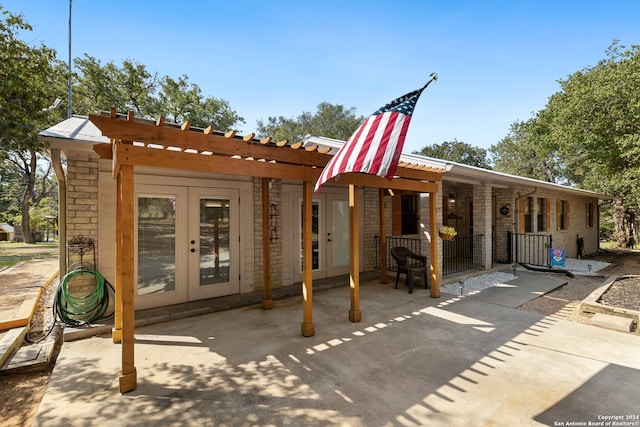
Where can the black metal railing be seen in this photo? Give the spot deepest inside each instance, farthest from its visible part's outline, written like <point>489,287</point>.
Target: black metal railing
<point>463,253</point>
<point>411,243</point>
<point>530,249</point>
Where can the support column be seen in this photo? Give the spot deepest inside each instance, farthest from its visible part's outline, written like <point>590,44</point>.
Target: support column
<point>433,232</point>
<point>355,315</point>
<point>384,277</point>
<point>128,376</point>
<point>483,220</point>
<point>116,332</point>
<point>267,301</point>
<point>308,329</point>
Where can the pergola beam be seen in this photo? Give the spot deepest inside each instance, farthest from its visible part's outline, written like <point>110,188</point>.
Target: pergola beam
<point>374,181</point>
<point>125,154</point>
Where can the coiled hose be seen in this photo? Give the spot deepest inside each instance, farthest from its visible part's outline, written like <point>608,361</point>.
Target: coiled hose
<point>82,309</point>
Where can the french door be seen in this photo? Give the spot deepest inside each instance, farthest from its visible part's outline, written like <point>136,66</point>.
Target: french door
<point>187,244</point>
<point>330,235</point>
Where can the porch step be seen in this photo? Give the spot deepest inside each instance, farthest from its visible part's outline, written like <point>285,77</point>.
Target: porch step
<point>34,357</point>
<point>10,341</point>
<point>617,323</point>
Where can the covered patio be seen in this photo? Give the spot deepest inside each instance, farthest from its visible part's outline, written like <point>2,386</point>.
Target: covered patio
<point>139,142</point>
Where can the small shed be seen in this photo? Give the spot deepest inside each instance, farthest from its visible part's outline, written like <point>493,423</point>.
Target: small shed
<point>6,233</point>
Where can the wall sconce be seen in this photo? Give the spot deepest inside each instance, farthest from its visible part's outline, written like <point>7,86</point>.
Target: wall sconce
<point>452,198</point>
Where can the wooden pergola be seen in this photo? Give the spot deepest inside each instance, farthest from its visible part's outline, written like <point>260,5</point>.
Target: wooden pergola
<point>141,142</point>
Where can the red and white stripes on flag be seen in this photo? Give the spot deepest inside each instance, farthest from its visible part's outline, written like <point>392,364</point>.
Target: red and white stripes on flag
<point>375,147</point>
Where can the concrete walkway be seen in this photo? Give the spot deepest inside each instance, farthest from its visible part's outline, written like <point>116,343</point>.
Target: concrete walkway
<point>411,361</point>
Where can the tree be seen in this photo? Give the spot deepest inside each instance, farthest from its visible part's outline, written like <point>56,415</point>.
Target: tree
<point>457,151</point>
<point>132,88</point>
<point>32,80</point>
<point>101,87</point>
<point>331,121</point>
<point>588,134</point>
<point>524,152</point>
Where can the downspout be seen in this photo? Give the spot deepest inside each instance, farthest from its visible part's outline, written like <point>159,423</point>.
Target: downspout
<point>62,210</point>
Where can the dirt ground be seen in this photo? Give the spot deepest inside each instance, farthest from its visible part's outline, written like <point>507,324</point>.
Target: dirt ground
<point>20,394</point>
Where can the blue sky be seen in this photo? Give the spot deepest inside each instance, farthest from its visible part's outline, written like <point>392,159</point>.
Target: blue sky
<point>497,61</point>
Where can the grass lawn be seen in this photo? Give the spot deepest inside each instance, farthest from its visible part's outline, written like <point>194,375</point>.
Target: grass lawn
<point>12,253</point>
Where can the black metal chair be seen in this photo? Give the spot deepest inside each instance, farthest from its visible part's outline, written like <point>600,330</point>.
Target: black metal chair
<point>410,264</point>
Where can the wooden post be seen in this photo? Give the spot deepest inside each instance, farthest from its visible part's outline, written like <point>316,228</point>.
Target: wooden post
<point>116,332</point>
<point>128,376</point>
<point>433,232</point>
<point>307,266</point>
<point>267,301</point>
<point>355,315</point>
<point>384,277</point>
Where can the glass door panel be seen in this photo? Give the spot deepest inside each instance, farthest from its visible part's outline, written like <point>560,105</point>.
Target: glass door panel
<point>156,244</point>
<point>214,241</point>
<point>214,248</point>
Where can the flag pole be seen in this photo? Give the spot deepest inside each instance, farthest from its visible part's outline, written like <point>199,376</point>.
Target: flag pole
<point>433,78</point>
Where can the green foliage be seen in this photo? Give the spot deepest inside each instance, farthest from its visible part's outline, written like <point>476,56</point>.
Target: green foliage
<point>31,81</point>
<point>588,135</point>
<point>331,121</point>
<point>132,88</point>
<point>457,151</point>
<point>525,152</point>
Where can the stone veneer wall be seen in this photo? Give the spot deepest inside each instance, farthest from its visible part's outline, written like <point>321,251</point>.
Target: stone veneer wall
<point>82,197</point>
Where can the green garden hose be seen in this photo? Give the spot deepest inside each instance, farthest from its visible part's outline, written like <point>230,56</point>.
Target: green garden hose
<point>80,309</point>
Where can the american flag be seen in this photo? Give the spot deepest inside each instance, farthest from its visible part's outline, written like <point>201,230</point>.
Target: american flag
<point>375,147</point>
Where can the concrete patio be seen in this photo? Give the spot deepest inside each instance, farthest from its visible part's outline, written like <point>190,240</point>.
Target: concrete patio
<point>412,361</point>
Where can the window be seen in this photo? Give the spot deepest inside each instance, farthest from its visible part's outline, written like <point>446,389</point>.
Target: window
<point>525,215</point>
<point>405,214</point>
<point>562,214</point>
<point>528,215</point>
<point>543,210</point>
<point>591,215</point>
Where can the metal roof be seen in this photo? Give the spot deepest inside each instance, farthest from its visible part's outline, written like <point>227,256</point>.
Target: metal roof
<point>458,172</point>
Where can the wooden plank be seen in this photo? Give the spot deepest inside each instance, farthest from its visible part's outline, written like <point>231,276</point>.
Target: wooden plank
<point>128,376</point>
<point>249,137</point>
<point>116,331</point>
<point>103,150</point>
<point>134,155</point>
<point>355,315</point>
<point>170,136</point>
<point>216,144</point>
<point>364,180</point>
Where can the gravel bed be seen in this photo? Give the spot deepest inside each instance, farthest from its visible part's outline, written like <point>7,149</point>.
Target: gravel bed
<point>476,284</point>
<point>624,292</point>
